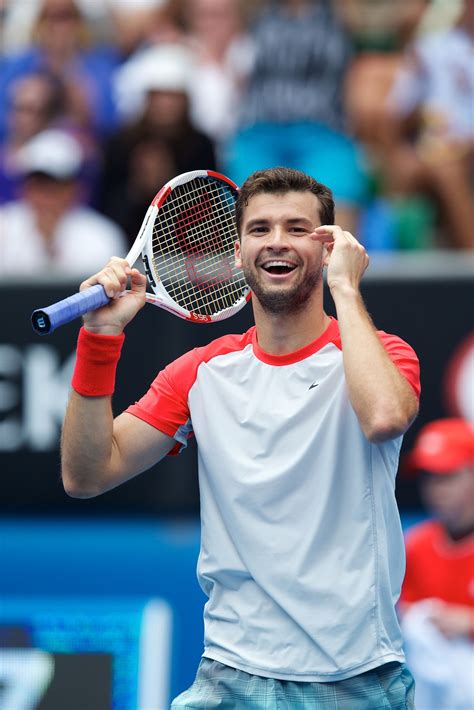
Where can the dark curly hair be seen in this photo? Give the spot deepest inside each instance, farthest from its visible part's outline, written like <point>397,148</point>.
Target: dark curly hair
<point>278,181</point>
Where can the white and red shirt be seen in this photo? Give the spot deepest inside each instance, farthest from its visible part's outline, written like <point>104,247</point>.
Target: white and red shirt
<point>302,553</point>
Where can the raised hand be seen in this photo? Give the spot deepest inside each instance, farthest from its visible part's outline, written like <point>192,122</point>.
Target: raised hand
<point>346,258</point>
<point>112,319</point>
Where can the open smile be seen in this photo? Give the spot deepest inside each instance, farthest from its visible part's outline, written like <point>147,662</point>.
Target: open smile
<point>278,267</point>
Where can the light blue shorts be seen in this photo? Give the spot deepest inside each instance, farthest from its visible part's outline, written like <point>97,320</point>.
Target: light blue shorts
<point>329,156</point>
<point>388,687</point>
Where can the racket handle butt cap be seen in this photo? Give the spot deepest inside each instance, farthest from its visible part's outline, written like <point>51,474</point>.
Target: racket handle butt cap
<point>46,320</point>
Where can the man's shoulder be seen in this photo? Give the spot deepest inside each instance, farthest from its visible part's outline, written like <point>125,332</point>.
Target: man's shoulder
<point>95,234</point>
<point>442,42</point>
<point>187,364</point>
<point>181,374</point>
<point>14,207</point>
<point>83,216</point>
<point>391,340</point>
<point>16,215</point>
<point>224,345</point>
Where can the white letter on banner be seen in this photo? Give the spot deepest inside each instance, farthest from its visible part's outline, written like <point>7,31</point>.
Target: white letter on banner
<point>11,434</point>
<point>46,393</point>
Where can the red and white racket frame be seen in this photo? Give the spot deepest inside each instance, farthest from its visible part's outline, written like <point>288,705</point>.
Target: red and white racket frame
<point>46,320</point>
<point>143,245</point>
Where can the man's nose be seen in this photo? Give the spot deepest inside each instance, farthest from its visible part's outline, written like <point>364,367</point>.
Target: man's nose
<point>277,238</point>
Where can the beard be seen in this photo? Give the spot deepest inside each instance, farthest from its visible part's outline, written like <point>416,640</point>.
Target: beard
<point>277,300</point>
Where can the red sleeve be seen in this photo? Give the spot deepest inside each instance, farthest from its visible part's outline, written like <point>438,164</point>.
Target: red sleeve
<point>404,358</point>
<point>165,405</point>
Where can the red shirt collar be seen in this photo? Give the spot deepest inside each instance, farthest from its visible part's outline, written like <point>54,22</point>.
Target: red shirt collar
<point>330,335</point>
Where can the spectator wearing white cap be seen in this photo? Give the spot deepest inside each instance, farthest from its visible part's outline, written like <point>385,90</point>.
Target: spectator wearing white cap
<point>159,141</point>
<point>437,600</point>
<point>167,68</point>
<point>47,229</point>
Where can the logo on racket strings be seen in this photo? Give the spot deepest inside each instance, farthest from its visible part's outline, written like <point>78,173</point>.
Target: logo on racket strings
<point>206,273</point>
<point>205,267</point>
<point>198,241</point>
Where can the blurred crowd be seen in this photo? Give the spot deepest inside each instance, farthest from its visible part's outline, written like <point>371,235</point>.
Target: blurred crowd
<point>102,102</point>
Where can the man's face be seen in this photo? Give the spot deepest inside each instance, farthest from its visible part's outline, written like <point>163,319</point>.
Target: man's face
<point>450,496</point>
<point>47,196</point>
<point>28,114</point>
<point>280,261</point>
<point>165,109</point>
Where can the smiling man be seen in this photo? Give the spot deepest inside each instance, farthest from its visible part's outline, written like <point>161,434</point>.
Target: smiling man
<point>299,424</point>
<point>297,215</point>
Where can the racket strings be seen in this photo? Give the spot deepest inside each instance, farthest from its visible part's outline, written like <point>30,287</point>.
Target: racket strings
<point>193,247</point>
<point>175,212</point>
<point>206,263</point>
<point>205,286</point>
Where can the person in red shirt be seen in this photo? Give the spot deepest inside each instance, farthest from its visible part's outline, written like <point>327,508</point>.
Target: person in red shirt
<point>437,599</point>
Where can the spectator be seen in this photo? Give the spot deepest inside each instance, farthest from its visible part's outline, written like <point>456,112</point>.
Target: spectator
<point>381,33</point>
<point>223,55</point>
<point>37,101</point>
<point>59,46</point>
<point>126,195</point>
<point>293,108</point>
<point>46,229</point>
<point>160,142</point>
<point>429,126</point>
<point>138,24</point>
<point>437,597</point>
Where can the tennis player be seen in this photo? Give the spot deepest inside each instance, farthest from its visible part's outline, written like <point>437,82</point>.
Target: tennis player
<point>299,423</point>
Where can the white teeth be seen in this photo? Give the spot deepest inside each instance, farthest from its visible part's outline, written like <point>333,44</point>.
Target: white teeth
<point>268,264</point>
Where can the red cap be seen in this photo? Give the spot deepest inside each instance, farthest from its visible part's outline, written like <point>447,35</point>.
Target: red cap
<point>443,446</point>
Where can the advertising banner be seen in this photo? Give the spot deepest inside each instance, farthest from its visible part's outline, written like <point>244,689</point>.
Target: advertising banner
<point>431,313</point>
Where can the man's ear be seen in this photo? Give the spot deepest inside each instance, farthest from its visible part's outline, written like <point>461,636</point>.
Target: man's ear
<point>238,256</point>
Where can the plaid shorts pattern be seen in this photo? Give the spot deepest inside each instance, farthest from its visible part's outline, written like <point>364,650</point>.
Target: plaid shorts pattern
<point>388,687</point>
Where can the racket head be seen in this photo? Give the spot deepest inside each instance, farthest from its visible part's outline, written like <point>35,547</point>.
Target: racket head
<point>189,252</point>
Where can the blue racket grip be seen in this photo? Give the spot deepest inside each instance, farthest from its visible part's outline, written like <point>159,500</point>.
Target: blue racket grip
<point>45,320</point>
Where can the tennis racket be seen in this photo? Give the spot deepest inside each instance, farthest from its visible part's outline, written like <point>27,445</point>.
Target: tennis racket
<point>187,246</point>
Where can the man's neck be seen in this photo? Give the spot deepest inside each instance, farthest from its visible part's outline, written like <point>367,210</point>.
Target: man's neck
<point>279,334</point>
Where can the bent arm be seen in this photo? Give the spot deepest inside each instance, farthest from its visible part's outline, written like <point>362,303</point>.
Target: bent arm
<point>99,452</point>
<point>382,398</point>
